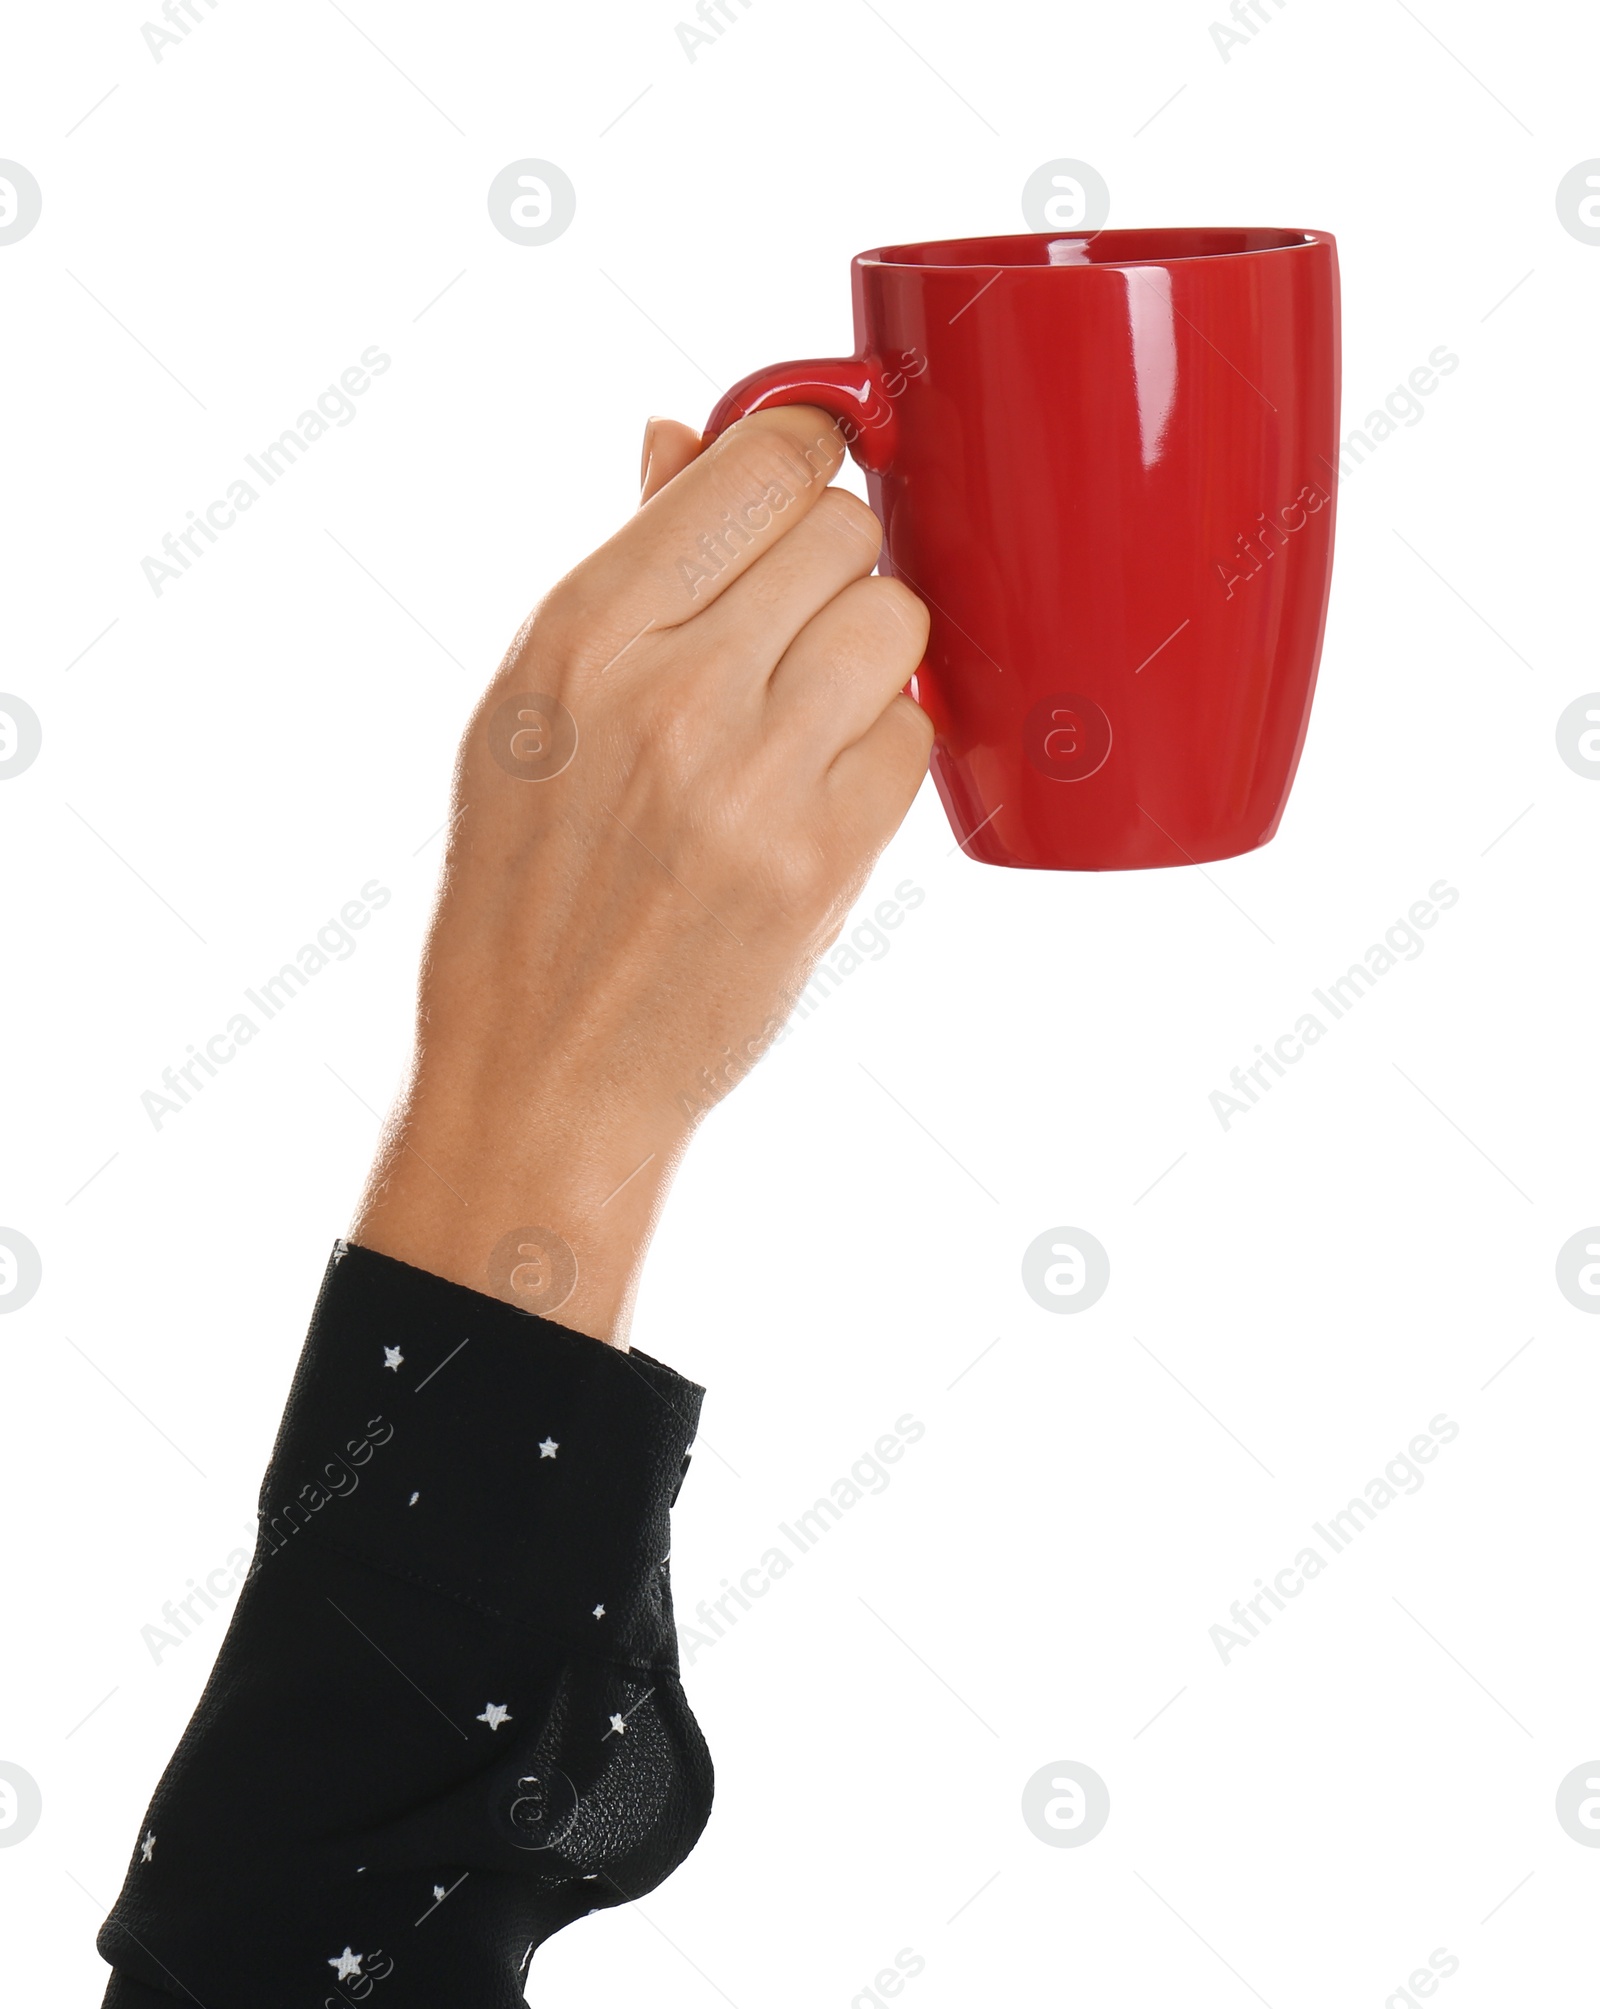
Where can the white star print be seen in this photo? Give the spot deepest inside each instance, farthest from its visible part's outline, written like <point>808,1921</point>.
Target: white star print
<point>392,1357</point>
<point>438,1891</point>
<point>549,1448</point>
<point>147,1847</point>
<point>494,1714</point>
<point>413,1500</point>
<point>618,1726</point>
<point>345,1964</point>
<point>599,1611</point>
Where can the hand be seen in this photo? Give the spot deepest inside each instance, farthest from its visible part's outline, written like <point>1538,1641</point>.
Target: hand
<point>624,925</point>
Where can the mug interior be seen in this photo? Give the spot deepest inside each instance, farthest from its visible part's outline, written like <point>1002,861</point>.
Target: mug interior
<point>1093,247</point>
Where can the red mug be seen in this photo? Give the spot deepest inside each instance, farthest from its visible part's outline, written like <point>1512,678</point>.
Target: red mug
<point>1107,462</point>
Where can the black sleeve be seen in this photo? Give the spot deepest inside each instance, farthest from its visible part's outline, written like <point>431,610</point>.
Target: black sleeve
<point>446,1719</point>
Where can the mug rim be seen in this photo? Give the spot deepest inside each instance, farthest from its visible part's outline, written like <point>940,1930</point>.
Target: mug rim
<point>1185,244</point>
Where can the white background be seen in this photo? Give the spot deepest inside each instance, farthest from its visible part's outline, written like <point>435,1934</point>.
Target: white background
<point>224,766</point>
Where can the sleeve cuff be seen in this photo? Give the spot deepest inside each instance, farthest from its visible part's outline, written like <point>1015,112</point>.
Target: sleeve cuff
<point>486,1453</point>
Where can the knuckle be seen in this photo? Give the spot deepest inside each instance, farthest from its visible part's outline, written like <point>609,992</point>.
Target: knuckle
<point>675,730</point>
<point>557,619</point>
<point>797,878</point>
<point>915,724</point>
<point>764,463</point>
<point>568,628</point>
<point>912,610</point>
<point>759,866</point>
<point>891,612</point>
<point>854,522</point>
<point>900,745</point>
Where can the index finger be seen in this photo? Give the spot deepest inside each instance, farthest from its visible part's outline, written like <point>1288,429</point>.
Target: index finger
<point>711,523</point>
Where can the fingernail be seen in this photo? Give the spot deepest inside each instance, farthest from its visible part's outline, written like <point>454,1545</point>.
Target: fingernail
<point>647,452</point>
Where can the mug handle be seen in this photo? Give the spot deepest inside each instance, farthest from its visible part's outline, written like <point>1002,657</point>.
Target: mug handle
<point>851,389</point>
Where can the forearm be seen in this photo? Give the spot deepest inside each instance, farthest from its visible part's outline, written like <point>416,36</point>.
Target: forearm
<point>545,1207</point>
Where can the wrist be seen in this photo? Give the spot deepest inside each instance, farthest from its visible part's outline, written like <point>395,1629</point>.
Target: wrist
<point>552,1213</point>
